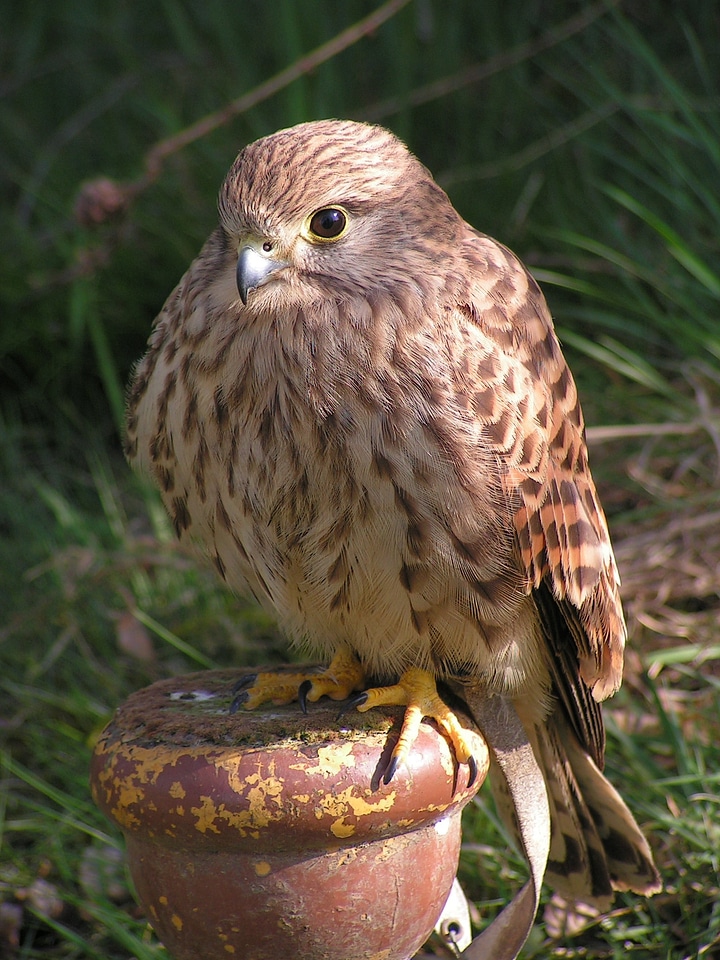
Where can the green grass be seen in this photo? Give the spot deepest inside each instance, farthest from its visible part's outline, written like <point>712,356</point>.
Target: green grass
<point>590,145</point>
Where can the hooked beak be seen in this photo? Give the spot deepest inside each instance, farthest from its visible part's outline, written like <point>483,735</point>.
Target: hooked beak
<point>253,268</point>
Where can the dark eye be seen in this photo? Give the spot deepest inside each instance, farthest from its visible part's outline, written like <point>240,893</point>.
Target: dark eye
<point>328,224</point>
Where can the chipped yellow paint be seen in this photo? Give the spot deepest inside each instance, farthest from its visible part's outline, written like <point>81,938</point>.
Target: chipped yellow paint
<point>264,799</point>
<point>340,829</point>
<point>148,763</point>
<point>361,807</point>
<point>206,815</point>
<point>153,911</point>
<point>176,921</point>
<point>264,789</point>
<point>125,793</point>
<point>229,947</point>
<point>447,759</point>
<point>128,795</point>
<point>345,806</point>
<point>128,773</point>
<point>163,900</point>
<point>330,760</point>
<point>262,868</point>
<point>231,762</point>
<point>346,803</point>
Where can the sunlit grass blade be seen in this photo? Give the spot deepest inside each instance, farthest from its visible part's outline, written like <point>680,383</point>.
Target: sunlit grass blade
<point>177,642</point>
<point>622,360</point>
<point>677,246</point>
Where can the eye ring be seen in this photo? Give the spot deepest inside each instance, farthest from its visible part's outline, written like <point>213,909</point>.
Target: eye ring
<point>326,224</point>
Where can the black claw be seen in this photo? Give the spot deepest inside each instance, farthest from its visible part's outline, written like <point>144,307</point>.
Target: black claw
<point>391,770</point>
<point>352,702</point>
<point>238,701</point>
<point>472,770</point>
<point>244,682</point>
<point>358,700</point>
<point>303,690</point>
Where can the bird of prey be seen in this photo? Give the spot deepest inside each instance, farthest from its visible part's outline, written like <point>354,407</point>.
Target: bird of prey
<point>357,404</point>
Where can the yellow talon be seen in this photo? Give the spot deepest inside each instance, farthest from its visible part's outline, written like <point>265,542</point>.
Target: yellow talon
<point>342,677</point>
<point>417,691</point>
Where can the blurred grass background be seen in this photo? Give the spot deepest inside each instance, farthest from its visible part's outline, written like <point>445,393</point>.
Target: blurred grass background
<point>584,136</point>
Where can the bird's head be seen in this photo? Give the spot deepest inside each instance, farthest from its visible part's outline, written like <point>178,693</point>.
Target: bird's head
<point>332,208</point>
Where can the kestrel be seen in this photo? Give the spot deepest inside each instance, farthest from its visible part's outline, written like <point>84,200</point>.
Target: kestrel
<point>357,404</point>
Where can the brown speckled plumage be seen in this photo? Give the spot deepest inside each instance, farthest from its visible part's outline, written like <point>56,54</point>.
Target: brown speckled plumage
<point>385,447</point>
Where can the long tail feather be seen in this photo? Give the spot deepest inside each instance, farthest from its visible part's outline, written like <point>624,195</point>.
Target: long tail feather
<point>596,845</point>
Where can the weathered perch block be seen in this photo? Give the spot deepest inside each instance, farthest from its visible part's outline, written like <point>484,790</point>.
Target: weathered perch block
<point>270,834</point>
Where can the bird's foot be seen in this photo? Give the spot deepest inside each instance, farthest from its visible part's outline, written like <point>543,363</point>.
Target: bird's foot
<point>342,677</point>
<point>417,691</point>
